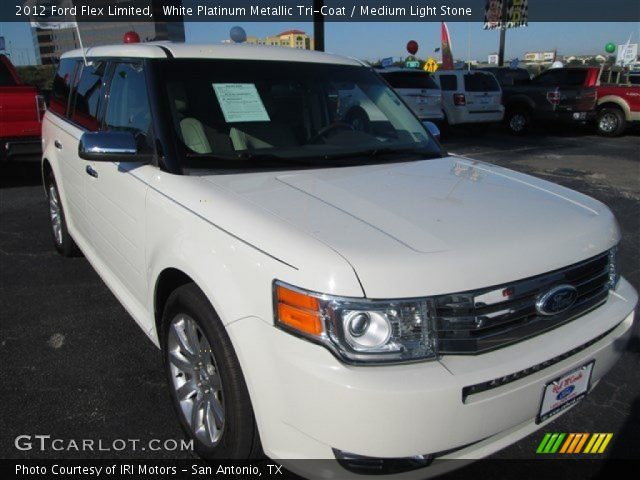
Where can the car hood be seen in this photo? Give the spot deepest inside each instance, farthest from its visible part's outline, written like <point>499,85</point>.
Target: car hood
<point>434,226</point>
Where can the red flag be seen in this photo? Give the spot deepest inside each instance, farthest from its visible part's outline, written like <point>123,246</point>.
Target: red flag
<point>447,56</point>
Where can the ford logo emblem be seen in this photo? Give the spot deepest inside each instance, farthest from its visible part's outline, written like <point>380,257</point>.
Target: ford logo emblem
<point>566,392</point>
<point>557,300</point>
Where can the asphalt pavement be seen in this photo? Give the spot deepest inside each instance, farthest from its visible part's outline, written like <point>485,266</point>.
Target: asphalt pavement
<point>76,366</point>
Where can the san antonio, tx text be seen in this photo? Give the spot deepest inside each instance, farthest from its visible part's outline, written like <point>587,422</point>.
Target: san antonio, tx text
<point>141,469</point>
<point>419,11</point>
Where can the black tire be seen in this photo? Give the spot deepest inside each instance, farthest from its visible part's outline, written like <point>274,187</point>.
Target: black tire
<point>239,438</point>
<point>518,120</point>
<point>610,122</point>
<point>62,241</point>
<point>358,119</point>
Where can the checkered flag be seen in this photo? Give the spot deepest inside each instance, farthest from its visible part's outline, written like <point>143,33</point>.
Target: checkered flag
<point>518,13</point>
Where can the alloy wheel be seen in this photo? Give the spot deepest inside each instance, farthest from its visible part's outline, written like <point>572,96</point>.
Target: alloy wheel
<point>608,122</point>
<point>517,122</point>
<point>196,380</point>
<point>55,214</point>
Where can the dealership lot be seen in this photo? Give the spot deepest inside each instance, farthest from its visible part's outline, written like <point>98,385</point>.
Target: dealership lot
<point>75,365</point>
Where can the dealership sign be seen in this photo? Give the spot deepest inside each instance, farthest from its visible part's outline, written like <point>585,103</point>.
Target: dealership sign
<point>627,54</point>
<point>517,14</point>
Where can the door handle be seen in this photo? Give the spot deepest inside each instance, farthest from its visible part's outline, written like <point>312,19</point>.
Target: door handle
<point>91,171</point>
<point>57,144</point>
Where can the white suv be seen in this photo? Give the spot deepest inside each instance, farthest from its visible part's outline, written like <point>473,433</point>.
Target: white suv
<point>470,96</point>
<point>418,89</point>
<point>320,291</point>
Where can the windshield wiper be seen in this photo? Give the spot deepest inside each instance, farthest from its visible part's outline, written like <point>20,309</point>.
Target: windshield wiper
<point>381,151</point>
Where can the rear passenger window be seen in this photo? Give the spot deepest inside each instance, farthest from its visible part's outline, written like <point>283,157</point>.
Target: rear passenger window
<point>128,108</point>
<point>480,82</point>
<point>448,82</point>
<point>88,94</point>
<point>62,86</point>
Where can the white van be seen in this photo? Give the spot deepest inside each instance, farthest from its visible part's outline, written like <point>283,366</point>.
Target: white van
<point>470,96</point>
<point>418,89</point>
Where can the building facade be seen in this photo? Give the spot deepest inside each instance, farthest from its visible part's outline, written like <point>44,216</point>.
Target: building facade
<point>51,44</point>
<point>288,38</point>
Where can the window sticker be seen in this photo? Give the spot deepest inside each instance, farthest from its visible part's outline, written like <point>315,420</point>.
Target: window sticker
<point>240,102</point>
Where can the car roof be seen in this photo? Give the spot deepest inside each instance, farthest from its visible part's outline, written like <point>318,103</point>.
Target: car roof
<point>212,51</point>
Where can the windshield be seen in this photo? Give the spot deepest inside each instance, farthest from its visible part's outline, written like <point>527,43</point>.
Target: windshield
<point>237,113</point>
<point>420,80</point>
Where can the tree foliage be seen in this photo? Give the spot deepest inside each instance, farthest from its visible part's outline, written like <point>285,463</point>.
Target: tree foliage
<point>40,76</point>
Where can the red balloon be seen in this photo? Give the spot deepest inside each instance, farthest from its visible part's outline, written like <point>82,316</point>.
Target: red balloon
<point>412,47</point>
<point>131,37</point>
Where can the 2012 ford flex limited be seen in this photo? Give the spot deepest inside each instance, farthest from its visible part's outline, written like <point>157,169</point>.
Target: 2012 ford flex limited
<point>319,290</point>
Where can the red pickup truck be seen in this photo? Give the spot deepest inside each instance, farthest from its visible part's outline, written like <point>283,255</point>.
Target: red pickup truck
<point>21,112</point>
<point>618,102</point>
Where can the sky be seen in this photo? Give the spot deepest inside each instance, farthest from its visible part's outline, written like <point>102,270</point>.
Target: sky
<point>372,41</point>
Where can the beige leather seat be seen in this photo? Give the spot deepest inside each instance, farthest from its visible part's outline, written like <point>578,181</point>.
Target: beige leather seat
<point>194,134</point>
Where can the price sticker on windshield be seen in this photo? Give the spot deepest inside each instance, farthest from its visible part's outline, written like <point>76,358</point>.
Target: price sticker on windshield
<point>240,102</point>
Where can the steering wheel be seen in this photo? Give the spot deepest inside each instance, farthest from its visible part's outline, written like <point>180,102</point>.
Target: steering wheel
<point>336,126</point>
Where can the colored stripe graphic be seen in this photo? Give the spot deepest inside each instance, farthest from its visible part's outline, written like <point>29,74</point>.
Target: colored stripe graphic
<point>574,443</point>
<point>567,443</point>
<point>544,441</point>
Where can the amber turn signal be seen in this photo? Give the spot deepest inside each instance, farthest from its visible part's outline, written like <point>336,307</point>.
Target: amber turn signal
<point>298,311</point>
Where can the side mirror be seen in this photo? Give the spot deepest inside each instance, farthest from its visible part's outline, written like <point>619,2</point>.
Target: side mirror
<point>108,147</point>
<point>433,129</point>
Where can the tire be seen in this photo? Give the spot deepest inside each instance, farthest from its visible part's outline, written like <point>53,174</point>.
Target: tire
<point>518,121</point>
<point>358,119</point>
<point>203,371</point>
<point>610,122</point>
<point>59,232</point>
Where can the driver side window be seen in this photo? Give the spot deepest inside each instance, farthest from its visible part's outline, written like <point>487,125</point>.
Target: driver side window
<point>128,108</point>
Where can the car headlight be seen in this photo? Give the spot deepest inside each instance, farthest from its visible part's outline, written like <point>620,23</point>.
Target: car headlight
<point>358,330</point>
<point>614,270</point>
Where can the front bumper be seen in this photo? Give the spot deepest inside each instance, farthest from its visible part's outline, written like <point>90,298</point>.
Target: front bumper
<point>307,402</point>
<point>28,148</point>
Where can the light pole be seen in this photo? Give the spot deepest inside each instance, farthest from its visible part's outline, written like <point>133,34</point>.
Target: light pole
<point>503,31</point>
<point>318,26</point>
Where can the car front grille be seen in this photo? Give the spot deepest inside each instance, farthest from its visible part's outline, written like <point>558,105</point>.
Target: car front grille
<point>491,318</point>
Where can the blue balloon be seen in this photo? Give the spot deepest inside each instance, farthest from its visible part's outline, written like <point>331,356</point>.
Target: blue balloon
<point>238,35</point>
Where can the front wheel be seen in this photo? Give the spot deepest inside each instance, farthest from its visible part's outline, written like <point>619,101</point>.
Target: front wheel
<point>207,387</point>
<point>611,122</point>
<point>59,232</point>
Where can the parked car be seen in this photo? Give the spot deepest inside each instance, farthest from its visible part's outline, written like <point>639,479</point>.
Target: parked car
<point>618,102</point>
<point>418,89</point>
<point>21,111</point>
<point>470,96</point>
<point>562,95</point>
<point>319,291</point>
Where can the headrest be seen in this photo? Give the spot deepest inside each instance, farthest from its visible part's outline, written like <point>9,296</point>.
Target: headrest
<point>179,95</point>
